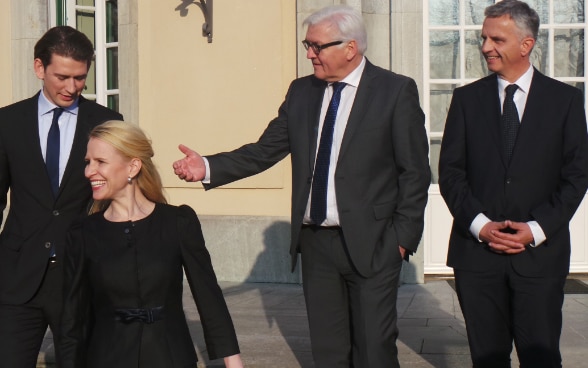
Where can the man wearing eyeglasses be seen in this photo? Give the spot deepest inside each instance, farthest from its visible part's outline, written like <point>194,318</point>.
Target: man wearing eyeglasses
<point>360,175</point>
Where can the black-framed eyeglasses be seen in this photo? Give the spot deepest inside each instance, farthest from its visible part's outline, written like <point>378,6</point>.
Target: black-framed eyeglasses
<point>316,48</point>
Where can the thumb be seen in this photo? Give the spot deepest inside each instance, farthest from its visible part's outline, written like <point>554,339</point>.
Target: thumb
<point>186,150</point>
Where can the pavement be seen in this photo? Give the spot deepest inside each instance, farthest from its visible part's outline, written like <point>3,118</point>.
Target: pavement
<point>272,329</point>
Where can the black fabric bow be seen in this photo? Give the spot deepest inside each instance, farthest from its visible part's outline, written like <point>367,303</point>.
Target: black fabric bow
<point>145,315</point>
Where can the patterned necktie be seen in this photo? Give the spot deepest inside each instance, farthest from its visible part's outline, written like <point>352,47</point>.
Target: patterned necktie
<point>510,121</point>
<point>318,200</point>
<point>52,153</point>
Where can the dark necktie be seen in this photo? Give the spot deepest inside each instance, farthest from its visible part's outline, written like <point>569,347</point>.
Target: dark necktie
<point>510,121</point>
<point>318,200</point>
<point>52,153</point>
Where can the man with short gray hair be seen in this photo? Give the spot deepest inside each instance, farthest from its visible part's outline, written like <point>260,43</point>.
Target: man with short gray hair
<point>360,175</point>
<point>513,169</point>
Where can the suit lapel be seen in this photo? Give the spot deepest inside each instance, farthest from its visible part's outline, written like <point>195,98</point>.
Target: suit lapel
<point>361,104</point>
<point>78,148</point>
<point>491,112</point>
<point>534,110</point>
<point>31,139</point>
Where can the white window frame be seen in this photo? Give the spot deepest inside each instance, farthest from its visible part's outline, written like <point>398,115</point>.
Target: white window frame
<point>100,44</point>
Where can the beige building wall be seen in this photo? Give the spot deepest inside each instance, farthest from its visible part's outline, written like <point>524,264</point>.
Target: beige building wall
<point>6,55</point>
<point>216,96</point>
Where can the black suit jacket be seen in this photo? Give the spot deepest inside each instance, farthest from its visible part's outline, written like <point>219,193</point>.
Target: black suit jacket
<point>36,220</point>
<point>545,181</point>
<point>382,173</point>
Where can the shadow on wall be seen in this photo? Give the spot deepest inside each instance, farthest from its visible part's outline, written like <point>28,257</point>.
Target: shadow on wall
<point>273,264</point>
<point>183,7</point>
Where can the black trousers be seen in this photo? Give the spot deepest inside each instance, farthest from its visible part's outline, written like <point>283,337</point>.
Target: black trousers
<point>501,307</point>
<point>23,327</point>
<point>352,319</point>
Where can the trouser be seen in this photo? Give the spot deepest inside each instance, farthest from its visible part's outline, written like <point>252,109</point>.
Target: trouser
<point>501,306</point>
<point>23,327</point>
<point>352,319</point>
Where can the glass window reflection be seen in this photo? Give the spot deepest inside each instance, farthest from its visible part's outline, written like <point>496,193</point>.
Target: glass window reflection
<point>568,11</point>
<point>444,54</point>
<point>444,12</point>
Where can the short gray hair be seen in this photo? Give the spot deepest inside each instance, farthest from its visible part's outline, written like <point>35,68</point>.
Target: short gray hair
<point>525,17</point>
<point>346,20</point>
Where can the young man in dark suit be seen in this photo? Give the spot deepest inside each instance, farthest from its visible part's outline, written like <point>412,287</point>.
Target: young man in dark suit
<point>359,210</point>
<point>42,147</point>
<point>513,169</point>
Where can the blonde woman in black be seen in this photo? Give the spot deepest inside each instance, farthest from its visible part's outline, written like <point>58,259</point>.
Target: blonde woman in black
<point>125,264</point>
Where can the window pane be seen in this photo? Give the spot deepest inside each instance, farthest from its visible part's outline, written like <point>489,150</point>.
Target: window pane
<point>475,64</point>
<point>112,21</point>
<point>86,24</point>
<point>91,80</point>
<point>475,10</point>
<point>113,102</point>
<point>443,12</point>
<point>540,54</point>
<point>542,8</point>
<point>440,99</point>
<point>112,65</point>
<point>569,53</point>
<point>85,2</point>
<point>434,159</point>
<point>444,54</point>
<point>568,11</point>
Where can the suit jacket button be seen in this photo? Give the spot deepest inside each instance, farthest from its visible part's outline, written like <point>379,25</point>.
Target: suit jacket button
<point>48,245</point>
<point>55,213</point>
<point>508,180</point>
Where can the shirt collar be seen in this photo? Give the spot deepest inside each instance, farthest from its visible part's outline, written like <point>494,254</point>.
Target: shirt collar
<point>46,106</point>
<point>354,77</point>
<point>524,82</point>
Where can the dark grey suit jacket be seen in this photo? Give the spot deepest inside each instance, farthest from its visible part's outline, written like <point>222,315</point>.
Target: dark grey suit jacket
<point>382,174</point>
<point>545,181</point>
<point>36,220</point>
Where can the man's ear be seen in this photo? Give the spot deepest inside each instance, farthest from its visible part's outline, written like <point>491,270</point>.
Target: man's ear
<point>527,46</point>
<point>39,68</point>
<point>351,50</point>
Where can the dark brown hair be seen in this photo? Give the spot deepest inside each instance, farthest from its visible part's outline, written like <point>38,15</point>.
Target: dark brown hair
<point>64,41</point>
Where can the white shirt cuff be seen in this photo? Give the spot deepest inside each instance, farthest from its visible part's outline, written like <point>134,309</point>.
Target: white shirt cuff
<point>206,179</point>
<point>538,234</point>
<point>479,222</point>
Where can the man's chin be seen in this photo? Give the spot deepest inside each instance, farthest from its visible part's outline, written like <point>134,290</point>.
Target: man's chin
<point>67,102</point>
<point>319,75</point>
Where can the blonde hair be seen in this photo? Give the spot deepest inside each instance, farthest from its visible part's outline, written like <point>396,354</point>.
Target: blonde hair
<point>131,142</point>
